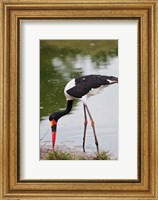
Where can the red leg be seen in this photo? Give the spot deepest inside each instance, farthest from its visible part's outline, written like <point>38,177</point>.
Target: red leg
<point>92,124</point>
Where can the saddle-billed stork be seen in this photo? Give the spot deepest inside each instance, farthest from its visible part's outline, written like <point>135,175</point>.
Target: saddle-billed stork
<point>81,88</point>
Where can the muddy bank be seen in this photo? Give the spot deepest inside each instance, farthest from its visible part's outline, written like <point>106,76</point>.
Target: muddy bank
<point>46,149</point>
<point>66,153</point>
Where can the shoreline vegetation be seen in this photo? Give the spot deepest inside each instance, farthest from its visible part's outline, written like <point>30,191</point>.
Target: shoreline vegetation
<point>60,154</point>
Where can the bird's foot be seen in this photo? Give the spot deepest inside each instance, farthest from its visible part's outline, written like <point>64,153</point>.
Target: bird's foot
<point>84,148</point>
<point>97,148</point>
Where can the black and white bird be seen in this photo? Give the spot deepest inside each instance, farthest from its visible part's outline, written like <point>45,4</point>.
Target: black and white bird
<point>81,88</point>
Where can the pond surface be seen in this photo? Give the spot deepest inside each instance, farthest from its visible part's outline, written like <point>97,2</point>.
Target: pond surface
<point>60,62</point>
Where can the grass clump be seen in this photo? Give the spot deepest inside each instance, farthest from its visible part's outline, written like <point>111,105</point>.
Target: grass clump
<point>102,156</point>
<point>61,155</point>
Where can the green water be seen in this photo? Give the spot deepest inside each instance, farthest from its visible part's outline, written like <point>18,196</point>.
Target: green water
<point>62,60</point>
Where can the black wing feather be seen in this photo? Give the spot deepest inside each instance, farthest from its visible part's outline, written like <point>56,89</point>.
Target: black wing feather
<point>78,91</point>
<point>93,81</point>
<point>85,83</point>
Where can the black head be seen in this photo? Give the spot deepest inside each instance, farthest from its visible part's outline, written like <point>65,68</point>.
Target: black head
<point>53,116</point>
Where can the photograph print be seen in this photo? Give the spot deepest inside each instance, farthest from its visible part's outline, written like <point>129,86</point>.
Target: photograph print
<point>79,100</point>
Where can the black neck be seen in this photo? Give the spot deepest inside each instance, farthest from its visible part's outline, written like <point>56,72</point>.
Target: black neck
<point>66,111</point>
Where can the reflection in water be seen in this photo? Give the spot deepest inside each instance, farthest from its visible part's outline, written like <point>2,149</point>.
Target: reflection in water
<point>58,65</point>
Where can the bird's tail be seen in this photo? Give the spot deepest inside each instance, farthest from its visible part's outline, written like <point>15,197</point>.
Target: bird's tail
<point>111,79</point>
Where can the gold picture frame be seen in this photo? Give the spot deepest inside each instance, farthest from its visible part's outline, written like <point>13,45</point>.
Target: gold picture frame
<point>145,11</point>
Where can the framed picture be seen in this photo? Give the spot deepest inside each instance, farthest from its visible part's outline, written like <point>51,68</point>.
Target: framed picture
<point>84,59</point>
<point>79,100</point>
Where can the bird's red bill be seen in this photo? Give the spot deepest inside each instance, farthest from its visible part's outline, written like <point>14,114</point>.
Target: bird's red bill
<point>53,139</point>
